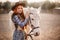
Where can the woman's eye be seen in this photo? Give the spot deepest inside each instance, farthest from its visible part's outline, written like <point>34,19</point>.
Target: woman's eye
<point>21,8</point>
<point>18,8</point>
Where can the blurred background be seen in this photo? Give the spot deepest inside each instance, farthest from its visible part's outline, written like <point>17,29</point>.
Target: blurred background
<point>46,5</point>
<point>49,12</point>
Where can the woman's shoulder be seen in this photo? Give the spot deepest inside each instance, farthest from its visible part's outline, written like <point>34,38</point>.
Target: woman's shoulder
<point>14,15</point>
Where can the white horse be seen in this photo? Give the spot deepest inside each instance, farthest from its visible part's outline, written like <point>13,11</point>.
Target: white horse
<point>34,19</point>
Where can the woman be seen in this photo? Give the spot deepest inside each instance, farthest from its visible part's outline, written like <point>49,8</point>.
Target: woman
<point>20,21</point>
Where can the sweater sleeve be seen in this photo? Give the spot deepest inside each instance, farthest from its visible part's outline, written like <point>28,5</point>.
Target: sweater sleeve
<point>19,22</point>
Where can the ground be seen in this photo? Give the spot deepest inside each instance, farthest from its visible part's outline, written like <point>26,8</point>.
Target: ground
<point>49,27</point>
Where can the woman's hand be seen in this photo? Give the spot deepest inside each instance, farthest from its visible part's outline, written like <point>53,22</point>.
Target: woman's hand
<point>27,15</point>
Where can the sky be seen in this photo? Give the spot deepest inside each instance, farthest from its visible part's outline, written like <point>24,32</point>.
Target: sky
<point>29,1</point>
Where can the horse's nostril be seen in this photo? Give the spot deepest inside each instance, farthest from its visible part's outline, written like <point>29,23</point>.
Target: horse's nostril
<point>32,25</point>
<point>32,19</point>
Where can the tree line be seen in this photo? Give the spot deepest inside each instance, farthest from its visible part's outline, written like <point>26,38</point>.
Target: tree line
<point>47,5</point>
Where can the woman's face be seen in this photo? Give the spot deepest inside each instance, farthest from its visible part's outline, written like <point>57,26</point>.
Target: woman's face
<point>19,9</point>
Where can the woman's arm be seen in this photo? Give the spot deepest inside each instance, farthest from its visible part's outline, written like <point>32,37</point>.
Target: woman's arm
<point>19,22</point>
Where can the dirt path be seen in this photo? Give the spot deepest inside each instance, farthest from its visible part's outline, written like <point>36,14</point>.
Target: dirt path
<point>49,27</point>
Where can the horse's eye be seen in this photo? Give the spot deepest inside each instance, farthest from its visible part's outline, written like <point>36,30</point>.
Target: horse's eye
<point>30,13</point>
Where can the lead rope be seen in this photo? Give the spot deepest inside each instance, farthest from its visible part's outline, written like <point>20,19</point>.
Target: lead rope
<point>31,27</point>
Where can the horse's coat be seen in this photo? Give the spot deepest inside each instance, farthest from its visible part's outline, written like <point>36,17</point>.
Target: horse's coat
<point>34,18</point>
